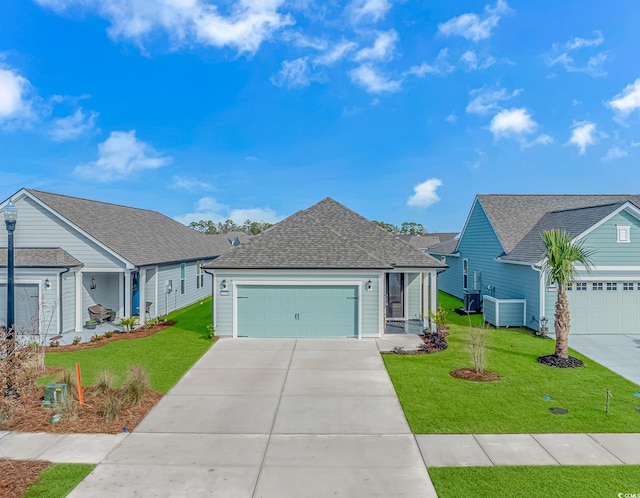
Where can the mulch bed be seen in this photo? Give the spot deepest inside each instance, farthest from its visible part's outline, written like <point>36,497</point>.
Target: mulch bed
<point>557,362</point>
<point>31,417</point>
<point>471,374</point>
<point>433,343</point>
<point>138,333</point>
<point>18,475</point>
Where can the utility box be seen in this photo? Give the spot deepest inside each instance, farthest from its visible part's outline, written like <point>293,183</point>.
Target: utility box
<point>472,302</point>
<point>54,393</point>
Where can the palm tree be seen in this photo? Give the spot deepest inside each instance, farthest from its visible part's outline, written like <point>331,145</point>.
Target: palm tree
<point>561,252</point>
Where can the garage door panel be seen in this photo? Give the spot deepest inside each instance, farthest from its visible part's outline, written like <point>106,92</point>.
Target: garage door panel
<point>297,311</point>
<point>606,311</point>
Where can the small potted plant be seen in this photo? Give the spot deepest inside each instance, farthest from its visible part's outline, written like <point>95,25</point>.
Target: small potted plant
<point>91,324</point>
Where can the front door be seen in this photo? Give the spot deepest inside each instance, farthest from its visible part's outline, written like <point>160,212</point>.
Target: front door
<point>135,294</point>
<point>395,295</point>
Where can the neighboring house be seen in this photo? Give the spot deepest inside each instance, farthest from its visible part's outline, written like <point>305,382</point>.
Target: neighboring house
<point>323,272</point>
<point>428,240</point>
<point>73,253</point>
<point>499,255</point>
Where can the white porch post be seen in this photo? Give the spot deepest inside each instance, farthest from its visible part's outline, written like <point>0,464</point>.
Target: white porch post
<point>142,281</point>
<point>424,293</point>
<point>127,293</point>
<point>79,277</point>
<point>433,290</point>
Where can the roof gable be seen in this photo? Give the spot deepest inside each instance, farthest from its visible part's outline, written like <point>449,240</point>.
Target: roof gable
<point>326,235</point>
<point>514,216</point>
<point>136,235</point>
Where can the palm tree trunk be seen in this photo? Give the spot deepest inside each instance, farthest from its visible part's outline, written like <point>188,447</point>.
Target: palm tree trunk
<point>562,323</point>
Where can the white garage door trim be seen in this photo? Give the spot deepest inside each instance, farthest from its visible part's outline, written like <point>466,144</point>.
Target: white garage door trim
<point>345,283</point>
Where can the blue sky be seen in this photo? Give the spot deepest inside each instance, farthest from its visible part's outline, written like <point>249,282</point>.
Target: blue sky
<point>402,111</point>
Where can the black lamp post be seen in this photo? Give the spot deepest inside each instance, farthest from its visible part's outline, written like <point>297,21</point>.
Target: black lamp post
<point>10,217</point>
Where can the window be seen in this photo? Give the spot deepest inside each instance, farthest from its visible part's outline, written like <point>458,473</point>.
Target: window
<point>183,272</point>
<point>624,234</point>
<point>612,286</point>
<point>627,286</point>
<point>581,286</point>
<point>465,274</point>
<point>199,275</point>
<point>569,288</point>
<point>597,286</point>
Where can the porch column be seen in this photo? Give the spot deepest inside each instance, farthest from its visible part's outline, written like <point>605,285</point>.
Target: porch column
<point>127,293</point>
<point>142,283</point>
<point>433,295</point>
<point>424,296</point>
<point>79,278</point>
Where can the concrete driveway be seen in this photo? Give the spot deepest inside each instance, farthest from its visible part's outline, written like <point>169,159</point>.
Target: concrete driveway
<point>620,353</point>
<point>272,418</point>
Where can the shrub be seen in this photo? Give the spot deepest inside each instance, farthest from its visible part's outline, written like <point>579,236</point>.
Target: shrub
<point>104,382</point>
<point>136,385</point>
<point>68,377</point>
<point>54,344</point>
<point>127,323</point>
<point>111,406</point>
<point>7,409</point>
<point>439,317</point>
<point>96,338</point>
<point>27,374</point>
<point>76,340</point>
<point>211,331</point>
<point>108,334</point>
<point>67,409</point>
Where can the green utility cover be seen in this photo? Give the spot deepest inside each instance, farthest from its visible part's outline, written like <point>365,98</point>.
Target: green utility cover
<point>55,393</point>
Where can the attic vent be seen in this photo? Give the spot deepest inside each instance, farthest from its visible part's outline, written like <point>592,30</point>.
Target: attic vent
<point>624,234</point>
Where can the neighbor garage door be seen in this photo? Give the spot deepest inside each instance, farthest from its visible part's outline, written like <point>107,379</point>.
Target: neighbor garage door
<point>606,307</point>
<point>26,300</point>
<point>297,311</point>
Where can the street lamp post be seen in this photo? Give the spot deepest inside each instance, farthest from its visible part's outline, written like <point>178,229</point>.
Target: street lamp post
<point>10,217</point>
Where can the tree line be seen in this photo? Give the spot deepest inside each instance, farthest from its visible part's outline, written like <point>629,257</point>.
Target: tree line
<point>407,228</point>
<point>248,227</point>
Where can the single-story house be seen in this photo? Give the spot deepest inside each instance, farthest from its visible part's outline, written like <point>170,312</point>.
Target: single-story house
<point>324,271</point>
<point>498,258</point>
<point>72,253</point>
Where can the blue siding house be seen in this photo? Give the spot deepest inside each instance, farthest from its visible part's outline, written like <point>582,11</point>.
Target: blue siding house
<point>499,255</point>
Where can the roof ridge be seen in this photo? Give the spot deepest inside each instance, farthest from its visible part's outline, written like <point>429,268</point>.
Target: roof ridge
<point>121,206</point>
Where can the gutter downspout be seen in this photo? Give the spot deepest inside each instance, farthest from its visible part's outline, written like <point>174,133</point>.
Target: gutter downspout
<point>213,299</point>
<point>541,286</point>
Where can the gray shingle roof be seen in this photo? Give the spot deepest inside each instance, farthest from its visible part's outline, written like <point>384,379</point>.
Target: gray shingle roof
<point>140,236</point>
<point>513,216</point>
<point>428,240</point>
<point>326,235</point>
<point>446,247</point>
<point>574,221</point>
<point>40,258</point>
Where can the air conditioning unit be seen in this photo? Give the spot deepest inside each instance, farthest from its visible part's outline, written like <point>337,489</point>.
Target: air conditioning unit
<point>472,302</point>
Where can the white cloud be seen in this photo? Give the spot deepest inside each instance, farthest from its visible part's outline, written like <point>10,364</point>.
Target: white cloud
<point>121,156</point>
<point>425,193</point>
<point>593,67</point>
<point>208,208</point>
<point>440,66</point>
<point>190,184</point>
<point>539,140</point>
<point>73,126</point>
<point>583,135</point>
<point>369,10</point>
<point>577,43</point>
<point>372,81</point>
<point>335,54</point>
<point>470,59</point>
<point>246,25</point>
<point>615,152</point>
<point>15,103</point>
<point>293,74</point>
<point>512,122</point>
<point>382,48</point>
<point>473,26</point>
<point>451,118</point>
<point>628,100</point>
<point>485,101</point>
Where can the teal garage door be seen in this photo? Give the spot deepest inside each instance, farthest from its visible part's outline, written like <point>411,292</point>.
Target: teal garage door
<point>297,311</point>
<point>605,307</point>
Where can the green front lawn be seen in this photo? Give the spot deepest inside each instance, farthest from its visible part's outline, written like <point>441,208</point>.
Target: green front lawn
<point>557,481</point>
<point>58,480</point>
<point>166,355</point>
<point>435,402</point>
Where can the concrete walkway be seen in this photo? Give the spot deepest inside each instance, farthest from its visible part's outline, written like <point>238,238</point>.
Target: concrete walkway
<point>271,418</point>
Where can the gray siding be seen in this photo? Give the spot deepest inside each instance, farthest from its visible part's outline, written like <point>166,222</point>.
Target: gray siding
<point>174,300</point>
<point>413,296</point>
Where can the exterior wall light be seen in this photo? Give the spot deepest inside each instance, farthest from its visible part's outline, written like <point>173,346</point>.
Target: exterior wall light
<point>223,284</point>
<point>369,285</point>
